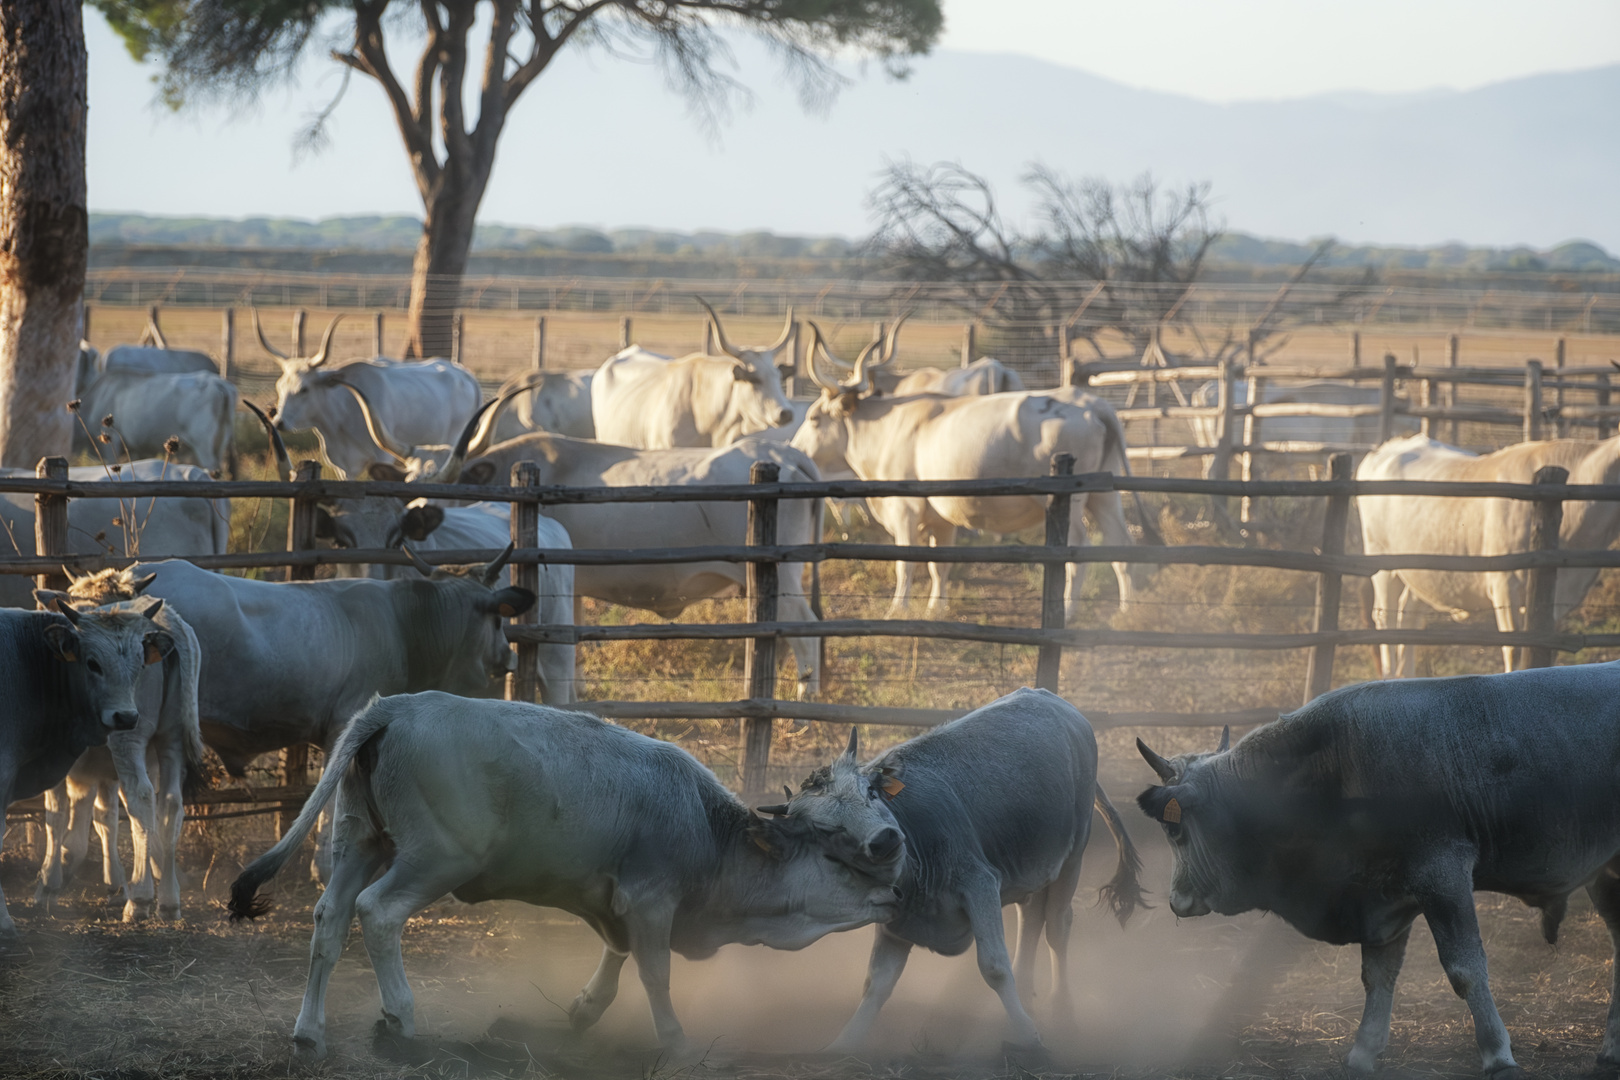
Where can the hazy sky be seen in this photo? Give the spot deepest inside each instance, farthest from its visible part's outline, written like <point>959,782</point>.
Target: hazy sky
<point>562,164</point>
<point>1237,50</point>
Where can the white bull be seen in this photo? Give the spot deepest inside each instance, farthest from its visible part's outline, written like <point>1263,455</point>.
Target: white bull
<point>642,399</point>
<point>199,408</point>
<point>423,402</point>
<point>1400,524</point>
<point>118,527</point>
<point>935,437</point>
<point>554,401</point>
<point>986,375</point>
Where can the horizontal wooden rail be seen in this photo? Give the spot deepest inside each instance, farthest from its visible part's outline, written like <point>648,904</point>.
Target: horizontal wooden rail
<point>777,709</point>
<point>1041,486</point>
<point>1186,555</point>
<point>1072,638</point>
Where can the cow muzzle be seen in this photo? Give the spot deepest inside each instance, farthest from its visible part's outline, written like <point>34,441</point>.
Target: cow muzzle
<point>122,720</point>
<point>884,845</point>
<point>784,417</point>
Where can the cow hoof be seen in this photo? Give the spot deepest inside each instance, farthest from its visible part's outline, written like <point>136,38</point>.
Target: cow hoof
<point>137,911</point>
<point>307,1051</point>
<point>169,912</point>
<point>1026,1055</point>
<point>1507,1072</point>
<point>45,900</point>
<point>583,1013</point>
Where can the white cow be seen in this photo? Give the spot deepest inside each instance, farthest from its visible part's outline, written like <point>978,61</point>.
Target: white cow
<point>499,800</point>
<point>1400,524</point>
<point>199,408</point>
<point>424,402</point>
<point>554,401</point>
<point>150,527</point>
<point>165,743</point>
<point>936,437</point>
<point>645,400</point>
<point>986,375</point>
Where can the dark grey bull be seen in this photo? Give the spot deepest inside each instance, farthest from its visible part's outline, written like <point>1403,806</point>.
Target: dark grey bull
<point>995,809</point>
<point>67,681</point>
<point>501,800</point>
<point>1382,802</point>
<point>286,663</point>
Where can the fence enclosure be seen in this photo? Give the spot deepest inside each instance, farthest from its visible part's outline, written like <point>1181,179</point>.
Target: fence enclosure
<point>527,497</point>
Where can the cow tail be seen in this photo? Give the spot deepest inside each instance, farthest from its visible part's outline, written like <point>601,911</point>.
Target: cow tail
<point>194,778</point>
<point>1116,438</point>
<point>1123,893</point>
<point>244,902</point>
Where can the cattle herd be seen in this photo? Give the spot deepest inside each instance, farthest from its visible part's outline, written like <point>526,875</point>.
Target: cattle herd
<point>1350,818</point>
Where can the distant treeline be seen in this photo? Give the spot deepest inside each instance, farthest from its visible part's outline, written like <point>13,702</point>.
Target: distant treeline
<point>378,234</point>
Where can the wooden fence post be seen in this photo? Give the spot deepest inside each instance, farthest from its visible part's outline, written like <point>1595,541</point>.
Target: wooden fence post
<point>522,684</point>
<point>794,350</point>
<point>227,341</point>
<point>1532,400</point>
<point>458,329</point>
<point>539,358</point>
<point>1251,437</point>
<point>1560,426</point>
<point>759,654</point>
<point>1454,390</point>
<point>51,520</point>
<point>377,334</point>
<point>1425,399</point>
<point>625,332</point>
<point>298,332</point>
<point>1329,585</point>
<point>84,322</point>
<point>1049,661</point>
<point>1386,399</point>
<point>968,334</point>
<point>1355,348</point>
<point>1226,400</point>
<point>1543,586</point>
<point>300,537</point>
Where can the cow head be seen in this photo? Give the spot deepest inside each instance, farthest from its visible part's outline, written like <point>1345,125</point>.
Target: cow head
<point>103,652</point>
<point>847,808</point>
<point>1212,832</point>
<point>434,464</point>
<point>301,380</point>
<point>457,623</point>
<point>757,376</point>
<point>825,433</point>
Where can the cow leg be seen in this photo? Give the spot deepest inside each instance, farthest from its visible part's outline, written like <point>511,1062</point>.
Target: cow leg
<point>903,520</point>
<point>1105,511</point>
<point>106,822</point>
<point>334,913</point>
<point>171,815</point>
<point>941,534</point>
<point>1380,965</point>
<point>81,801</point>
<point>1405,655</point>
<point>990,943</point>
<point>383,908</point>
<point>599,993</point>
<point>52,870</point>
<point>1384,584</point>
<point>1605,894</point>
<point>8,928</point>
<point>129,757</point>
<point>889,955</point>
<point>649,944</point>
<point>1507,596</point>
<point>794,606</point>
<point>1059,922</point>
<point>1455,925</point>
<point>1031,921</point>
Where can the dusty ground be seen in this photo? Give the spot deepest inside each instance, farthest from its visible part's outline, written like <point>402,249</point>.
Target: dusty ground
<point>1212,997</point>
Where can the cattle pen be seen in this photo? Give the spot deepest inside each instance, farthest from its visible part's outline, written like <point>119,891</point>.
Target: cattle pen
<point>761,631</point>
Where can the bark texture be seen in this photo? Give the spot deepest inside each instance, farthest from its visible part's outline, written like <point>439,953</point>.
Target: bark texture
<point>44,222</point>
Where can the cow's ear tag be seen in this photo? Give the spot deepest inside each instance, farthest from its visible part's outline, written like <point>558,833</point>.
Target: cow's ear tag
<point>153,653</point>
<point>1171,812</point>
<point>761,843</point>
<point>507,611</point>
<point>69,655</point>
<point>892,786</point>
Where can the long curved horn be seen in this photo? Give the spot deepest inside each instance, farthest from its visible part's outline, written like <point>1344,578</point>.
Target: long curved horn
<point>421,564</point>
<point>374,425</point>
<point>326,341</point>
<point>157,332</point>
<point>269,348</point>
<point>450,471</point>
<point>818,350</point>
<point>888,342</point>
<point>861,382</point>
<point>719,332</point>
<point>787,332</point>
<point>492,572</point>
<point>486,430</point>
<point>284,467</point>
<point>1165,770</point>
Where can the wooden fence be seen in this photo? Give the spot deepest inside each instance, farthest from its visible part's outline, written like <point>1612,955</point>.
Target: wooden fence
<point>528,496</point>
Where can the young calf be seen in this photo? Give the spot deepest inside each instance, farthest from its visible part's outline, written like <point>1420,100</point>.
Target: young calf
<point>494,800</point>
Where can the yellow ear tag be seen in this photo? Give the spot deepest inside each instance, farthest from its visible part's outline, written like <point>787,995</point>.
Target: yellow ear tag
<point>892,786</point>
<point>1172,812</point>
<point>153,654</point>
<point>761,843</point>
<point>70,656</point>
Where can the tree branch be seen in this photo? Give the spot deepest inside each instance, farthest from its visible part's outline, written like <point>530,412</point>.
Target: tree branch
<point>371,57</point>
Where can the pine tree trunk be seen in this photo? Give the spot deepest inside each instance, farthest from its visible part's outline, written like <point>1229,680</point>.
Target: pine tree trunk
<point>44,222</point>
